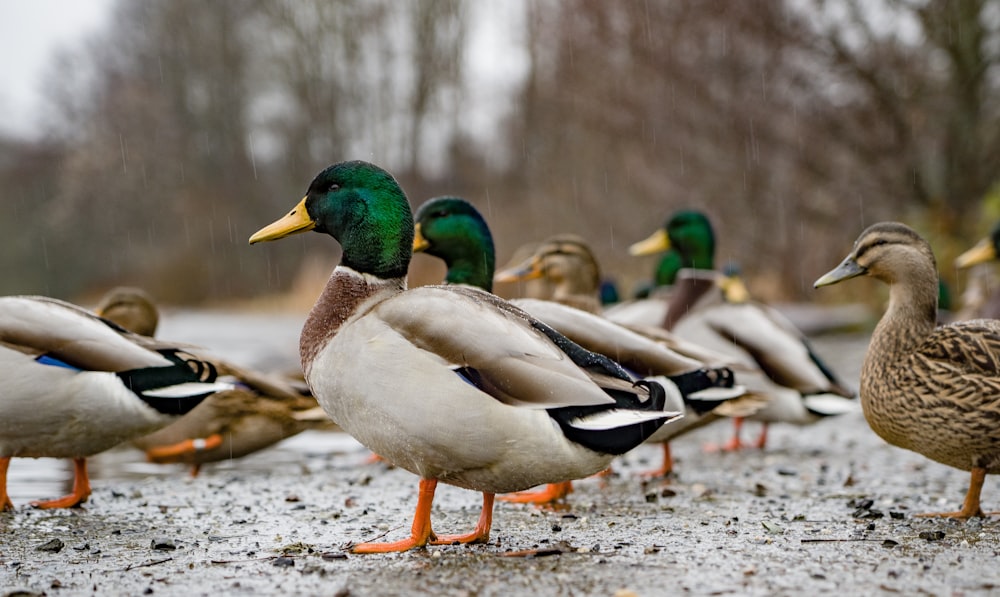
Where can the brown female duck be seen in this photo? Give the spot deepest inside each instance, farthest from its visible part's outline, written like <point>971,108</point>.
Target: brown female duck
<point>931,389</point>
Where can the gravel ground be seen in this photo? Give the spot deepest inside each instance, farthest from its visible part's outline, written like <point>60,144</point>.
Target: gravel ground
<point>823,509</point>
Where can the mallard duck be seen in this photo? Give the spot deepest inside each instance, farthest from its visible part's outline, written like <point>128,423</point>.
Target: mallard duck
<point>75,385</point>
<point>130,307</point>
<point>931,389</point>
<point>706,308</point>
<point>981,298</point>
<point>449,382</point>
<point>567,267</point>
<point>566,262</point>
<point>649,304</point>
<point>453,230</point>
<point>260,411</point>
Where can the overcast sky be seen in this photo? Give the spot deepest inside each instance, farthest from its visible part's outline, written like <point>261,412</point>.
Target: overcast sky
<point>30,31</point>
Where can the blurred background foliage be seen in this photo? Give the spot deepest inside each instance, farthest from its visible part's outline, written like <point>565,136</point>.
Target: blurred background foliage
<point>186,125</point>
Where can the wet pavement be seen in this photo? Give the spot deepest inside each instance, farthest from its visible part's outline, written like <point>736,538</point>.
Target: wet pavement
<point>827,508</point>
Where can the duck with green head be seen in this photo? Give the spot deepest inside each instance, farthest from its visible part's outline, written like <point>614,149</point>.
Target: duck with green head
<point>711,309</point>
<point>650,299</point>
<point>453,230</point>
<point>449,382</point>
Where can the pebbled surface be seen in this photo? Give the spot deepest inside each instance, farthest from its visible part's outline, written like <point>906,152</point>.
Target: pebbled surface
<point>802,516</point>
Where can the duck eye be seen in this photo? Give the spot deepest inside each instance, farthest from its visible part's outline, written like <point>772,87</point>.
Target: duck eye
<point>439,214</point>
<point>333,187</point>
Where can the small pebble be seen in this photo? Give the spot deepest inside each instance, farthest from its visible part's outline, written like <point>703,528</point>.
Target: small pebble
<point>932,535</point>
<point>283,562</point>
<point>52,545</point>
<point>162,544</point>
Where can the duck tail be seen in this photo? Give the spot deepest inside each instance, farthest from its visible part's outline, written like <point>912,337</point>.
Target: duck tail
<point>616,429</point>
<point>177,388</point>
<point>705,389</point>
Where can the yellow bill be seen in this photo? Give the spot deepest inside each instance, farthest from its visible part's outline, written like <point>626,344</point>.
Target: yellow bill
<point>295,221</point>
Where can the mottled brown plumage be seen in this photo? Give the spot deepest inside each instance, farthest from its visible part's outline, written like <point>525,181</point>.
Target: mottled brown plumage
<point>934,390</point>
<point>568,266</point>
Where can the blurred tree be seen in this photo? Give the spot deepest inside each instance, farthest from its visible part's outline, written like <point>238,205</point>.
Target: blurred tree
<point>919,81</point>
<point>186,125</point>
<point>793,125</point>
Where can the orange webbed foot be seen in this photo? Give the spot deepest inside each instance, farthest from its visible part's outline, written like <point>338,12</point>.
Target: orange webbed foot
<point>552,492</point>
<point>175,452</point>
<point>5,503</point>
<point>420,531</point>
<point>81,489</point>
<point>666,470</point>
<point>970,507</point>
<point>482,532</point>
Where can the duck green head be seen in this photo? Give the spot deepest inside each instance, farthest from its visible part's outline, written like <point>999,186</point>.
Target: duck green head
<point>985,250</point>
<point>689,233</point>
<point>452,229</point>
<point>667,268</point>
<point>364,208</point>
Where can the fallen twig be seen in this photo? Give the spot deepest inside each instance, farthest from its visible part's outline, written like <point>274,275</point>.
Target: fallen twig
<point>843,540</point>
<point>146,564</point>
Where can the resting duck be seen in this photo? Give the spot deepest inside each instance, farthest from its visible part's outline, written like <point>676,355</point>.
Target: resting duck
<point>75,385</point>
<point>449,382</point>
<point>931,389</point>
<point>453,230</point>
<point>260,411</point>
<point>981,298</point>
<point>706,308</point>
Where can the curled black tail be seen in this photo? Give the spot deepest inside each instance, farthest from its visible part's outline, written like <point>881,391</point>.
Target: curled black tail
<point>702,379</point>
<point>620,438</point>
<point>145,380</point>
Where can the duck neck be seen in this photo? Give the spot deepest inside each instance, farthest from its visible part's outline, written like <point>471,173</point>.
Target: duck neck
<point>690,288</point>
<point>348,294</point>
<point>472,268</point>
<point>910,317</point>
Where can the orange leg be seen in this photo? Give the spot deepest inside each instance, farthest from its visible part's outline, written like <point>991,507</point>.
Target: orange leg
<point>81,489</point>
<point>482,532</point>
<point>551,493</point>
<point>420,532</point>
<point>603,474</point>
<point>666,469</point>
<point>373,458</point>
<point>762,440</point>
<point>733,444</point>
<point>5,503</point>
<point>176,452</point>
<point>970,507</point>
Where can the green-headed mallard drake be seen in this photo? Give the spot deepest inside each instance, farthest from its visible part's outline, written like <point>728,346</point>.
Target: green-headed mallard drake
<point>75,385</point>
<point>931,389</point>
<point>449,382</point>
<point>649,304</point>
<point>258,412</point>
<point>706,308</point>
<point>566,265</point>
<point>453,230</point>
<point>981,298</point>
